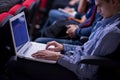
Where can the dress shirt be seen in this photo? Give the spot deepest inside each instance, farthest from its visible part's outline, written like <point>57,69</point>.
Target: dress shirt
<point>99,44</point>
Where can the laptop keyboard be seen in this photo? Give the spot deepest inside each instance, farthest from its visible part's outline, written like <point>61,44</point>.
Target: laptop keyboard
<point>34,48</point>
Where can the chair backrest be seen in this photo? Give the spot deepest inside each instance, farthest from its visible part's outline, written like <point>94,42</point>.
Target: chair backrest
<point>43,3</point>
<point>38,2</point>
<point>5,39</point>
<point>31,9</point>
<point>111,72</point>
<point>108,66</point>
<point>4,17</point>
<point>17,9</point>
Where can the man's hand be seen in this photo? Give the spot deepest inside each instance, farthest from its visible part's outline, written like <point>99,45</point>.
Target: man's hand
<point>47,54</point>
<point>57,46</point>
<point>71,29</point>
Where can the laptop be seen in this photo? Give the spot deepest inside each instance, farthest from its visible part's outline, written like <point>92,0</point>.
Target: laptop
<point>23,47</point>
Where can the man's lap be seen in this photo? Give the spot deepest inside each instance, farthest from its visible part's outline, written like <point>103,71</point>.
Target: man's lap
<point>30,70</point>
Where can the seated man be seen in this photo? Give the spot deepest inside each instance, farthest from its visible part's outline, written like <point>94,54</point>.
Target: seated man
<point>74,33</point>
<point>67,56</point>
<point>55,15</point>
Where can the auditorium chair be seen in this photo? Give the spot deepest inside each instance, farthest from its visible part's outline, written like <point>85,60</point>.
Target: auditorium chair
<point>109,65</point>
<point>5,40</point>
<point>17,8</point>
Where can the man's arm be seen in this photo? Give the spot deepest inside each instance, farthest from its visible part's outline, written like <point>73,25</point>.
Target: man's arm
<point>82,6</point>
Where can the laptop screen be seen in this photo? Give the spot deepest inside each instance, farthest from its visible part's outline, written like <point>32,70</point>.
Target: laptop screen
<point>19,30</point>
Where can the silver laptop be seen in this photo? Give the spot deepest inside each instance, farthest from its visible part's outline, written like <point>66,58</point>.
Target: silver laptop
<point>24,48</point>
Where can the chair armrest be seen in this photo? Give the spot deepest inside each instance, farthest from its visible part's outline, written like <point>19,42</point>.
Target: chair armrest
<point>101,61</point>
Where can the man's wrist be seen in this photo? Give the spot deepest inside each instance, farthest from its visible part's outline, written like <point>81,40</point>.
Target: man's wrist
<point>58,55</point>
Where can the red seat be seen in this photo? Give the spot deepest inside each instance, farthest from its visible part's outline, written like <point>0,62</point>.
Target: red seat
<point>4,18</point>
<point>31,9</point>
<point>43,3</point>
<point>16,9</point>
<point>29,4</point>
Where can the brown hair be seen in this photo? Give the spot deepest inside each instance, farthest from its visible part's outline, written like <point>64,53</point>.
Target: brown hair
<point>109,1</point>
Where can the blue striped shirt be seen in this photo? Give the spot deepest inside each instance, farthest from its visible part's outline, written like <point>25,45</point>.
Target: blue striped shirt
<point>99,44</point>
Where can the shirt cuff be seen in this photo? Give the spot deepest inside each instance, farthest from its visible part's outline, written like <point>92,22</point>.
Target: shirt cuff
<point>77,32</point>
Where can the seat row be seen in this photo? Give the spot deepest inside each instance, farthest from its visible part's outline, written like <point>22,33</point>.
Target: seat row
<point>30,9</point>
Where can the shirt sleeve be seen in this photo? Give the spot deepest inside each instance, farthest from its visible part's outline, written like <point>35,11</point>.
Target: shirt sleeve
<point>77,32</point>
<point>90,10</point>
<point>83,31</point>
<point>105,47</point>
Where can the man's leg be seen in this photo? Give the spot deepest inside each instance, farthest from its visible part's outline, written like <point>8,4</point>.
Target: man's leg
<point>63,41</point>
<point>32,70</point>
